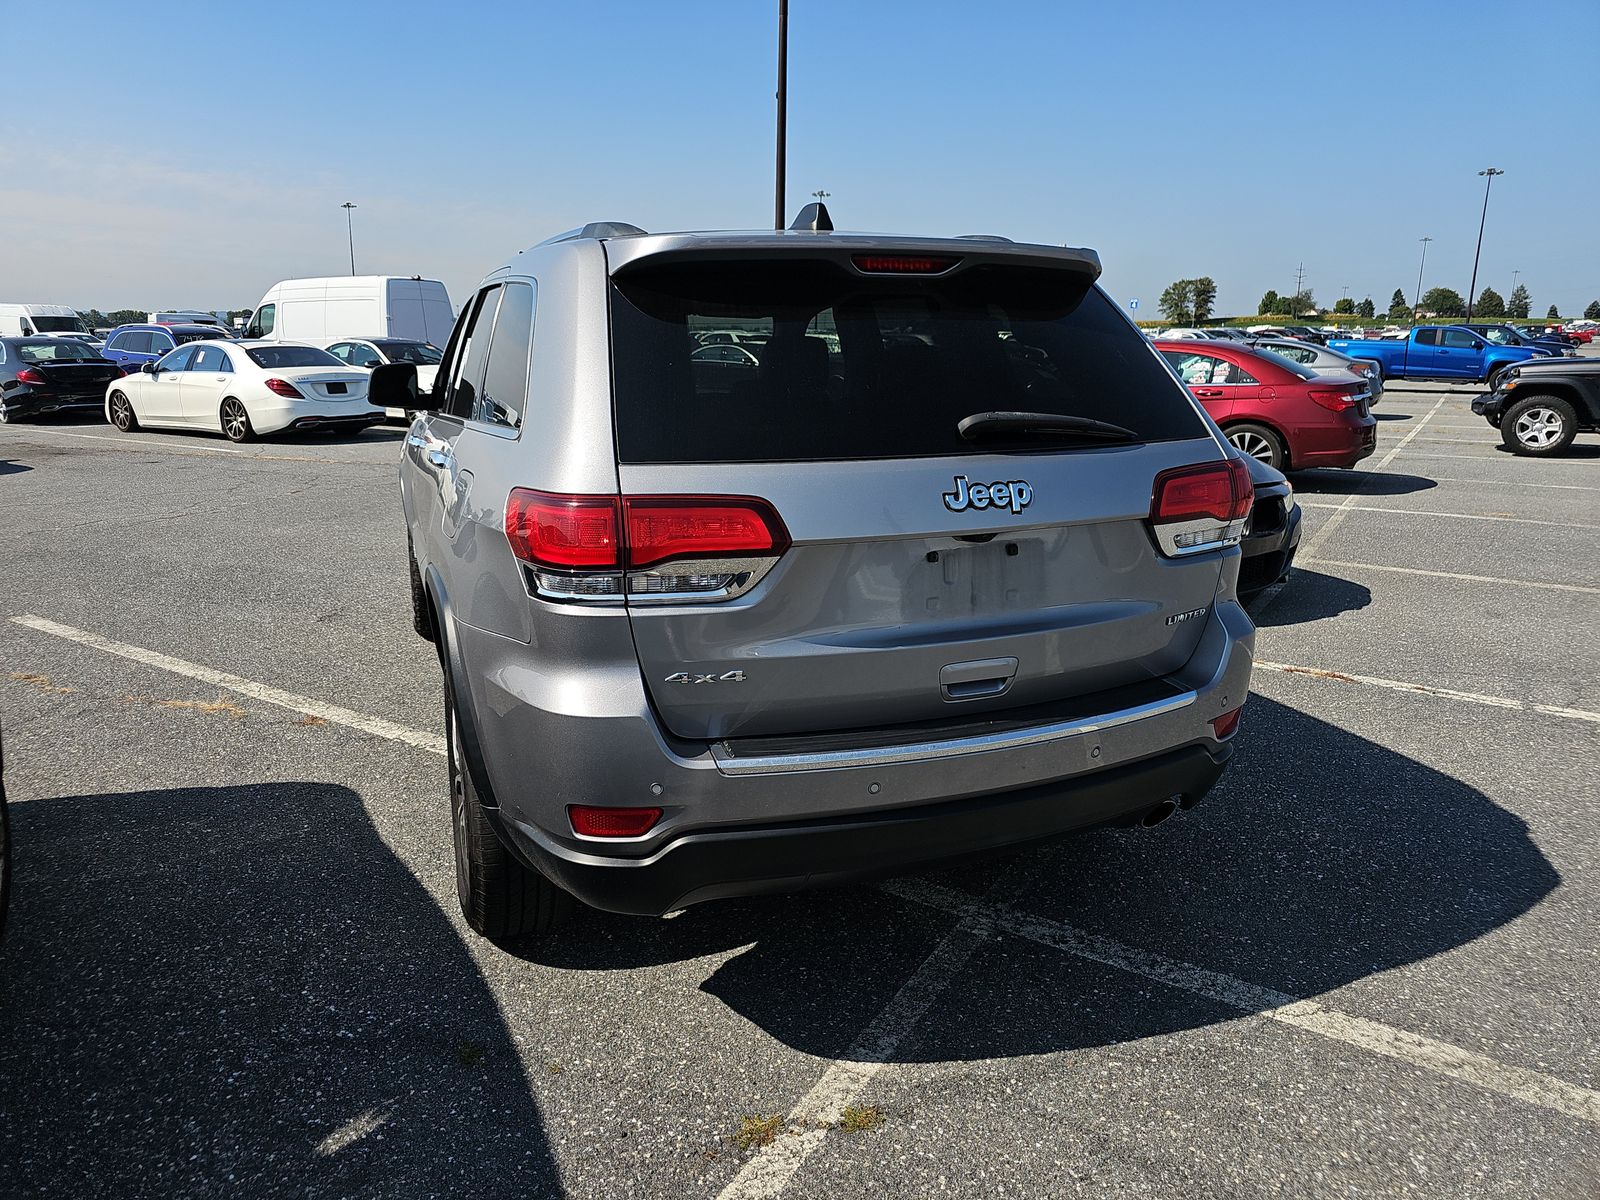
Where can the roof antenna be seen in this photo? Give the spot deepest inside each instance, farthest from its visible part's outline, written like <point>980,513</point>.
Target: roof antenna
<point>815,218</point>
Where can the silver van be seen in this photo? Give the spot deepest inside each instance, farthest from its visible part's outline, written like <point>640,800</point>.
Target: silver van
<point>943,562</point>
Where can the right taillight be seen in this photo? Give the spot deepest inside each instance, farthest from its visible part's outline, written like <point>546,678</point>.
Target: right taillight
<point>643,548</point>
<point>1200,508</point>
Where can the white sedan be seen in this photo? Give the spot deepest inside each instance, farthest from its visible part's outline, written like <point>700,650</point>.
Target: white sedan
<point>368,353</point>
<point>241,389</point>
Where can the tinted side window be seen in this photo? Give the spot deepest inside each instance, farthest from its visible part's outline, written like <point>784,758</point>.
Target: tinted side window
<point>141,342</point>
<point>1197,370</point>
<point>210,358</point>
<point>178,360</point>
<point>265,319</point>
<point>1460,339</point>
<point>1427,337</point>
<point>505,381</point>
<point>462,398</point>
<point>1237,374</point>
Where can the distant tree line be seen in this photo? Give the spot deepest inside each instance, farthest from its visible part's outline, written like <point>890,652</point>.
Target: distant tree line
<point>1189,301</point>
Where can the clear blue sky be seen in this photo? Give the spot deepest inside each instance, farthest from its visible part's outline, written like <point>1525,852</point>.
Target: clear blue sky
<point>190,155</point>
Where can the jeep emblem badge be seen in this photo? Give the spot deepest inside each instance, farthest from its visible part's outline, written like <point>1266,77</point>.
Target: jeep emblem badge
<point>1015,494</point>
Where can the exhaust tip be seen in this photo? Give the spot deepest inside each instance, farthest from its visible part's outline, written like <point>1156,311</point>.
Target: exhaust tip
<point>1158,814</point>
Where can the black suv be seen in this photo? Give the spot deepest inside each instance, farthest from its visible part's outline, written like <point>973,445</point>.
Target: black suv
<point>1541,405</point>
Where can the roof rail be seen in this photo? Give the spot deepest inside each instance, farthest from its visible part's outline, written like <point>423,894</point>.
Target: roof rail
<point>981,237</point>
<point>596,229</point>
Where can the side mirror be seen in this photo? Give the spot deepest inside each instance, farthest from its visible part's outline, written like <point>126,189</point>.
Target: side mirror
<point>148,368</point>
<point>394,385</point>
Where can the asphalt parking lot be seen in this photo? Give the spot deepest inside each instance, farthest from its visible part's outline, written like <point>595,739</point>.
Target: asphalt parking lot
<point>1366,966</point>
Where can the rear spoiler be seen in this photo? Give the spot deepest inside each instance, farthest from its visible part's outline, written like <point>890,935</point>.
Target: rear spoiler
<point>625,255</point>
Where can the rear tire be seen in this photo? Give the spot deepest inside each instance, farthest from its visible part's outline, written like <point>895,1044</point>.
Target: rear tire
<point>9,416</point>
<point>500,898</point>
<point>122,414</point>
<point>1539,426</point>
<point>235,420</point>
<point>1259,442</point>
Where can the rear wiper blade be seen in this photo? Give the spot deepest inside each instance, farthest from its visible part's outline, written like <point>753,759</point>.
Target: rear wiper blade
<point>1041,425</point>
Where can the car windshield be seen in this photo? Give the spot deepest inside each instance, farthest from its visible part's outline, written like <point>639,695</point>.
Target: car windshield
<point>58,324</point>
<point>423,354</point>
<point>273,357</point>
<point>56,350</point>
<point>857,367</point>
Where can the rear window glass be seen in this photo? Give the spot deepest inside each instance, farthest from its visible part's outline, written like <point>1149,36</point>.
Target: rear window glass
<point>57,350</point>
<point>833,365</point>
<point>273,357</point>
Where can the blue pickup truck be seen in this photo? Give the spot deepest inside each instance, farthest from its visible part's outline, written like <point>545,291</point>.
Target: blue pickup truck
<point>1436,352</point>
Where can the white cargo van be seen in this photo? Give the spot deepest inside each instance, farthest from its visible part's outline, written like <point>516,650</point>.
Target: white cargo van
<point>43,320</point>
<point>354,306</point>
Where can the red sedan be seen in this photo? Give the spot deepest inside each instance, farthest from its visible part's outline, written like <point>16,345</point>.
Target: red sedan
<point>1277,410</point>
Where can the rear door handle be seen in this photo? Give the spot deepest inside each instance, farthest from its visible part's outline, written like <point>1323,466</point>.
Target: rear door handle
<point>434,450</point>
<point>1208,393</point>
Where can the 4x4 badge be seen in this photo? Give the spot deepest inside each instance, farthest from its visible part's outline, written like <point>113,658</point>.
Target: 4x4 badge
<point>1015,494</point>
<point>696,677</point>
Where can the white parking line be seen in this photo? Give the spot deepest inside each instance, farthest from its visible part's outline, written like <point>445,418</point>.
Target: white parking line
<point>130,441</point>
<point>1430,512</point>
<point>1533,583</point>
<point>330,713</point>
<point>1422,689</point>
<point>769,1170</point>
<point>1498,483</point>
<point>1332,523</point>
<point>1441,1058</point>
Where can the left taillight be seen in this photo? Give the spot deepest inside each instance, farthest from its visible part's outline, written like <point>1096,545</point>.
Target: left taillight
<point>282,387</point>
<point>1333,399</point>
<point>31,377</point>
<point>644,548</point>
<point>1200,508</point>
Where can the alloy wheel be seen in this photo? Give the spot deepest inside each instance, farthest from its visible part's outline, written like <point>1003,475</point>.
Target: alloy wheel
<point>121,412</point>
<point>1538,427</point>
<point>235,421</point>
<point>1253,444</point>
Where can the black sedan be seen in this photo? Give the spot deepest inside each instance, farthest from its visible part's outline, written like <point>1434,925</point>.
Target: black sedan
<point>1271,534</point>
<point>46,375</point>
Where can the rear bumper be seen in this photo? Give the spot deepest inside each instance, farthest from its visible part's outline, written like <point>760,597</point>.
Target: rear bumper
<point>38,405</point>
<point>779,820</point>
<point>758,859</point>
<point>1339,443</point>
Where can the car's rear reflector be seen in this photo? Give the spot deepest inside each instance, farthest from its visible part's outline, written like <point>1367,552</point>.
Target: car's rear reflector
<point>660,528</point>
<point>590,821</point>
<point>902,264</point>
<point>282,387</point>
<point>1223,727</point>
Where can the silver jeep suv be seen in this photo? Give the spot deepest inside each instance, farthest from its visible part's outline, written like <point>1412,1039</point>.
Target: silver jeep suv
<point>926,553</point>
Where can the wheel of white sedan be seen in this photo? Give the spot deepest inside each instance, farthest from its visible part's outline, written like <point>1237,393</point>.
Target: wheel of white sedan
<point>122,414</point>
<point>236,421</point>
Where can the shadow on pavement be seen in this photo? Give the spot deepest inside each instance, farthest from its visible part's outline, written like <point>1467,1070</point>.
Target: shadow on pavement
<point>241,991</point>
<point>1576,450</point>
<point>10,466</point>
<point>1343,483</point>
<point>1321,858</point>
<point>1311,596</point>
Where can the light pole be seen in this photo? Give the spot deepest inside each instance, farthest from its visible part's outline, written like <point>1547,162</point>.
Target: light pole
<point>1416,297</point>
<point>351,230</point>
<point>1488,182</point>
<point>783,110</point>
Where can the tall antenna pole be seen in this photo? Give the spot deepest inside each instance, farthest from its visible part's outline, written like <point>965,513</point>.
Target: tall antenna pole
<point>1487,184</point>
<point>783,112</point>
<point>351,230</point>
<point>1416,300</point>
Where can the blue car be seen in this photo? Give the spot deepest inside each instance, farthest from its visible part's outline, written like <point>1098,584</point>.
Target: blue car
<point>129,346</point>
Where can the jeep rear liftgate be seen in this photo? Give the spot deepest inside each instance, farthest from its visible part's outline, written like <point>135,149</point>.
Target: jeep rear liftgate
<point>905,487</point>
